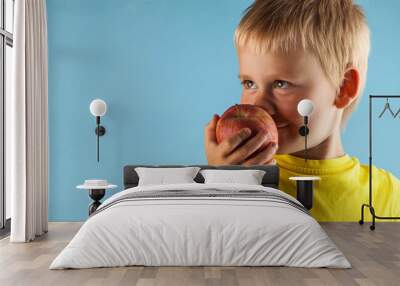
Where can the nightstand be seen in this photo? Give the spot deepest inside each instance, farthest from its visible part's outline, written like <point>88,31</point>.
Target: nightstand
<point>97,190</point>
<point>305,190</point>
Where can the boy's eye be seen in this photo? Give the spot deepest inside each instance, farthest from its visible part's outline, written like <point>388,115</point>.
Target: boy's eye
<point>248,84</point>
<point>280,84</point>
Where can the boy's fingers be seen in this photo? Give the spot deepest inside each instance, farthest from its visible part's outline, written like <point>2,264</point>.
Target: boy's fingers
<point>210,135</point>
<point>265,156</point>
<point>229,144</point>
<point>249,147</point>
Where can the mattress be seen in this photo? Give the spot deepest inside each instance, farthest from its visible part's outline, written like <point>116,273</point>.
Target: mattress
<point>201,225</point>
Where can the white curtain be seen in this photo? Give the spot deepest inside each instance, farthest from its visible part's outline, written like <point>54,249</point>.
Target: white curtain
<point>27,151</point>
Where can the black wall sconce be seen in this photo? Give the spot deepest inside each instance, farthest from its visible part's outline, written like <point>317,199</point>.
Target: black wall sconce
<point>305,107</point>
<point>98,108</point>
<point>305,189</point>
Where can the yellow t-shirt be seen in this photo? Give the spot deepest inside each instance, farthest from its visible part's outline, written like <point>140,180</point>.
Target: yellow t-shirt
<point>343,188</point>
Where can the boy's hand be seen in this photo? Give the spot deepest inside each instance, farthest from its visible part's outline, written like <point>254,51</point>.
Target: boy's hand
<point>228,152</point>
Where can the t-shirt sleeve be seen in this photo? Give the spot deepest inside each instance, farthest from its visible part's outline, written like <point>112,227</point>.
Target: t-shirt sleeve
<point>386,195</point>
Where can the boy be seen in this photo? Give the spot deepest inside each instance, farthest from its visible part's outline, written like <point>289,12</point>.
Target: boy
<point>315,49</point>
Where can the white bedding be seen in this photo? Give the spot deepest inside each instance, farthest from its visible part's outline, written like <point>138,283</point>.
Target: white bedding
<point>200,231</point>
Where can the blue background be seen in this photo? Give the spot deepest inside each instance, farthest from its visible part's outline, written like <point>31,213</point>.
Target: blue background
<point>164,68</point>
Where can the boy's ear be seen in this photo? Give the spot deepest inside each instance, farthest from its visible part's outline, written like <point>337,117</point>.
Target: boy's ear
<point>349,88</point>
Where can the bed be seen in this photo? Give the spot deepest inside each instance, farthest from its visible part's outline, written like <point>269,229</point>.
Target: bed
<point>201,224</point>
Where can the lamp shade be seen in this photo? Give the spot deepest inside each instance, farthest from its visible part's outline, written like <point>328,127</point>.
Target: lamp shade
<point>98,107</point>
<point>305,107</point>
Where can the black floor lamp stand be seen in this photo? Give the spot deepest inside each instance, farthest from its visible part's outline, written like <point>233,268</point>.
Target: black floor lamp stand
<point>370,205</point>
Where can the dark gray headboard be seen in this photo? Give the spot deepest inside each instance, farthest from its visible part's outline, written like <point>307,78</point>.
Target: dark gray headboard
<point>270,179</point>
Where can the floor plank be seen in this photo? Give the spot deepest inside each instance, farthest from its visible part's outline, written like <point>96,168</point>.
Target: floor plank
<point>374,255</point>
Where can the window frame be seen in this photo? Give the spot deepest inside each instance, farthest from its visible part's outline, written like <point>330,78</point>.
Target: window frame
<point>6,39</point>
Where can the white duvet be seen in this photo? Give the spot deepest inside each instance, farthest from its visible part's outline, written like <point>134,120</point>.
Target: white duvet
<point>200,231</point>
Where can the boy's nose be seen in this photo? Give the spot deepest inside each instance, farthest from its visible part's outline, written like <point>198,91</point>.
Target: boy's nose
<point>265,103</point>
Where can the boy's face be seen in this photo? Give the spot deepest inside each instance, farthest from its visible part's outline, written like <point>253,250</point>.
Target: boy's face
<point>277,82</point>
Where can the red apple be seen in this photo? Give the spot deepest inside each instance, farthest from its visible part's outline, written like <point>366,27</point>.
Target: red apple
<point>240,116</point>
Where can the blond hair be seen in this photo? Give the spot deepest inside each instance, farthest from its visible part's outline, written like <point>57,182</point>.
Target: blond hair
<point>335,31</point>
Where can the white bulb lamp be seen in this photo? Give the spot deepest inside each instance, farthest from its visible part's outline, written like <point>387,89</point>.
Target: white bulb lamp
<point>98,108</point>
<point>305,107</point>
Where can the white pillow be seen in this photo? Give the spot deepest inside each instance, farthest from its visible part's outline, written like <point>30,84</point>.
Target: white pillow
<point>249,177</point>
<point>162,176</point>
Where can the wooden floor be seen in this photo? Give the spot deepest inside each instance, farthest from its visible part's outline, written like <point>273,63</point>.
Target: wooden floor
<point>375,257</point>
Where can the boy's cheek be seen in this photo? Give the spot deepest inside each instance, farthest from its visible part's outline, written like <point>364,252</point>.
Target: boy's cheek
<point>289,139</point>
